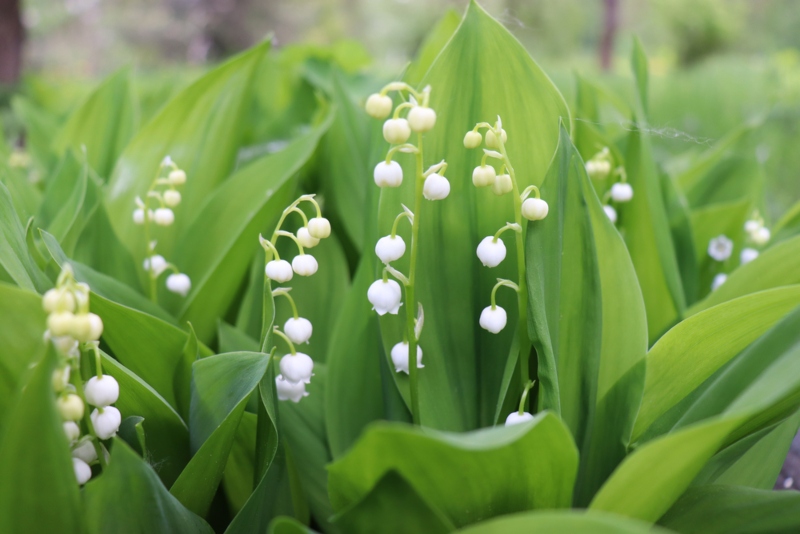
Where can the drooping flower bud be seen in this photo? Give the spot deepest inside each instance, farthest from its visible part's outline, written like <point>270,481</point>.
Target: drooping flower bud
<point>598,169</point>
<point>289,391</point>
<point>58,300</point>
<point>155,264</point>
<point>472,139</point>
<point>388,174</point>
<point>752,226</point>
<point>85,451</point>
<point>298,330</point>
<point>390,249</point>
<point>279,270</point>
<point>72,431</point>
<point>747,255</point>
<point>421,119</point>
<point>491,138</point>
<point>761,236</point>
<point>179,283</point>
<point>378,106</point>
<point>138,216</point>
<point>82,471</point>
<point>436,187</point>
<point>101,392</point>
<point>70,407</point>
<point>385,297</point>
<point>164,217</point>
<point>319,227</point>
<point>621,192</point>
<point>304,264</point>
<point>534,209</point>
<point>493,319</point>
<point>720,279</point>
<point>60,323</point>
<point>611,213</point>
<point>172,198</point>
<point>502,185</point>
<point>483,176</point>
<point>297,367</point>
<point>106,422</point>
<point>516,418</point>
<point>177,177</point>
<point>720,248</point>
<point>400,357</point>
<point>305,238</point>
<point>491,251</point>
<point>86,327</point>
<point>396,131</point>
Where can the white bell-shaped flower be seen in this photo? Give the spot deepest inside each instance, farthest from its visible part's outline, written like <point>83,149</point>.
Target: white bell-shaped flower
<point>298,330</point>
<point>279,270</point>
<point>172,198</point>
<point>390,248</point>
<point>101,392</point>
<point>319,227</point>
<point>516,418</point>
<point>85,451</point>
<point>179,283</point>
<point>82,471</point>
<point>385,297</point>
<point>493,319</point>
<point>164,216</point>
<point>611,213</point>
<point>491,138</point>
<point>598,169</point>
<point>106,423</point>
<point>483,176</point>
<point>472,139</point>
<point>58,300</point>
<point>421,119</point>
<point>720,279</point>
<point>491,251</point>
<point>388,174</point>
<point>378,106</point>
<point>747,255</point>
<point>305,238</point>
<point>436,187</point>
<point>621,192</point>
<point>400,357</point>
<point>396,131</point>
<point>155,264</point>
<point>502,184</point>
<point>72,431</point>
<point>70,406</point>
<point>297,367</point>
<point>138,216</point>
<point>177,177</point>
<point>290,391</point>
<point>720,248</point>
<point>86,327</point>
<point>761,236</point>
<point>60,323</point>
<point>61,378</point>
<point>534,209</point>
<point>752,226</point>
<point>305,264</point>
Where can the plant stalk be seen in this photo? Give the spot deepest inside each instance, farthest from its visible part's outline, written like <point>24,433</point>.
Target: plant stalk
<point>413,376</point>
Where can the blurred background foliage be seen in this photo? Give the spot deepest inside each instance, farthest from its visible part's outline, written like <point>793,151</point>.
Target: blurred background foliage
<point>715,64</point>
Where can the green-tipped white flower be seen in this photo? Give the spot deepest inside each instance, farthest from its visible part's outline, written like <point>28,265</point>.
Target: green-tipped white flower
<point>598,169</point>
<point>421,119</point>
<point>58,300</point>
<point>472,139</point>
<point>483,176</point>
<point>517,418</point>
<point>502,184</point>
<point>390,248</point>
<point>378,106</point>
<point>400,357</point>
<point>297,368</point>
<point>396,131</point>
<point>86,327</point>
<point>70,406</point>
<point>491,138</point>
<point>172,198</point>
<point>177,177</point>
<point>319,227</point>
<point>534,209</point>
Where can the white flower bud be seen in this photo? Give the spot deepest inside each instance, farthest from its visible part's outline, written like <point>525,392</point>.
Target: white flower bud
<point>304,264</point>
<point>70,407</point>
<point>752,226</point>
<point>534,209</point>
<point>761,236</point>
<point>493,320</point>
<point>621,192</point>
<point>611,213</point>
<point>319,227</point>
<point>421,119</point>
<point>396,131</point>
<point>502,184</point>
<point>390,249</point>
<point>179,283</point>
<point>85,451</point>
<point>305,238</point>
<point>164,217</point>
<point>60,323</point>
<point>598,169</point>
<point>516,418</point>
<point>60,378</point>
<point>491,252</point>
<point>155,264</point>
<point>101,392</point>
<point>177,177</point>
<point>747,255</point>
<point>172,198</point>
<point>66,345</point>
<point>298,330</point>
<point>388,174</point>
<point>378,106</point>
<point>138,216</point>
<point>297,368</point>
<point>95,327</point>
<point>72,431</point>
<point>400,357</point>
<point>483,176</point>
<point>720,248</point>
<point>86,326</point>
<point>385,297</point>
<point>279,270</point>
<point>82,471</point>
<point>58,300</point>
<point>472,139</point>
<point>436,187</point>
<point>491,138</point>
<point>289,391</point>
<point>106,423</point>
<point>720,279</point>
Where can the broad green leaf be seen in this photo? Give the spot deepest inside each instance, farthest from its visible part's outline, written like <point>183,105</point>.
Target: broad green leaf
<point>586,319</point>
<point>59,187</point>
<point>237,480</point>
<point>695,348</point>
<point>38,490</point>
<point>231,339</point>
<point>468,477</point>
<point>563,522</point>
<point>103,123</point>
<point>40,128</point>
<point>721,509</point>
<point>77,210</point>
<point>14,256</point>
<point>461,381</point>
<point>683,238</point>
<point>25,195</point>
<point>129,497</point>
<point>216,256</point>
<point>788,225</point>
<point>287,525</point>
<point>432,46</point>
<point>200,130</point>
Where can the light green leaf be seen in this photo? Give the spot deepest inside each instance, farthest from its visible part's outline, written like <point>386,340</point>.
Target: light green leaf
<point>432,46</point>
<point>40,128</point>
<point>14,256</point>
<point>563,522</point>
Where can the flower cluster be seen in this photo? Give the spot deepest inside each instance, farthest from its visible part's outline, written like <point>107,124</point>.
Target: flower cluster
<point>164,193</point>
<point>757,234</point>
<point>296,368</point>
<point>600,167</point>
<point>73,329</point>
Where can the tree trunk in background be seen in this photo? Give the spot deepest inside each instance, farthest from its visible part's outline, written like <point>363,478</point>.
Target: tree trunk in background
<point>11,36</point>
<point>611,21</point>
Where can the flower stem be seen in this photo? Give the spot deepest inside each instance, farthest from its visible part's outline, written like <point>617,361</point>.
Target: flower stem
<point>412,271</point>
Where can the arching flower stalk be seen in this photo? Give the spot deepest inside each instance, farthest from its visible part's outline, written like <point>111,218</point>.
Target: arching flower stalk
<point>161,197</point>
<point>75,331</point>
<point>385,294</point>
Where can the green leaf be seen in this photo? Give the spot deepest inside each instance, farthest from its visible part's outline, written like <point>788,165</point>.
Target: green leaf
<point>640,73</point>
<point>287,525</point>
<point>129,497</point>
<point>24,193</point>
<point>14,256</point>
<point>200,129</point>
<point>695,348</point>
<point>40,128</point>
<point>469,477</point>
<point>432,46</point>
<point>454,395</point>
<point>38,490</point>
<point>563,522</point>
